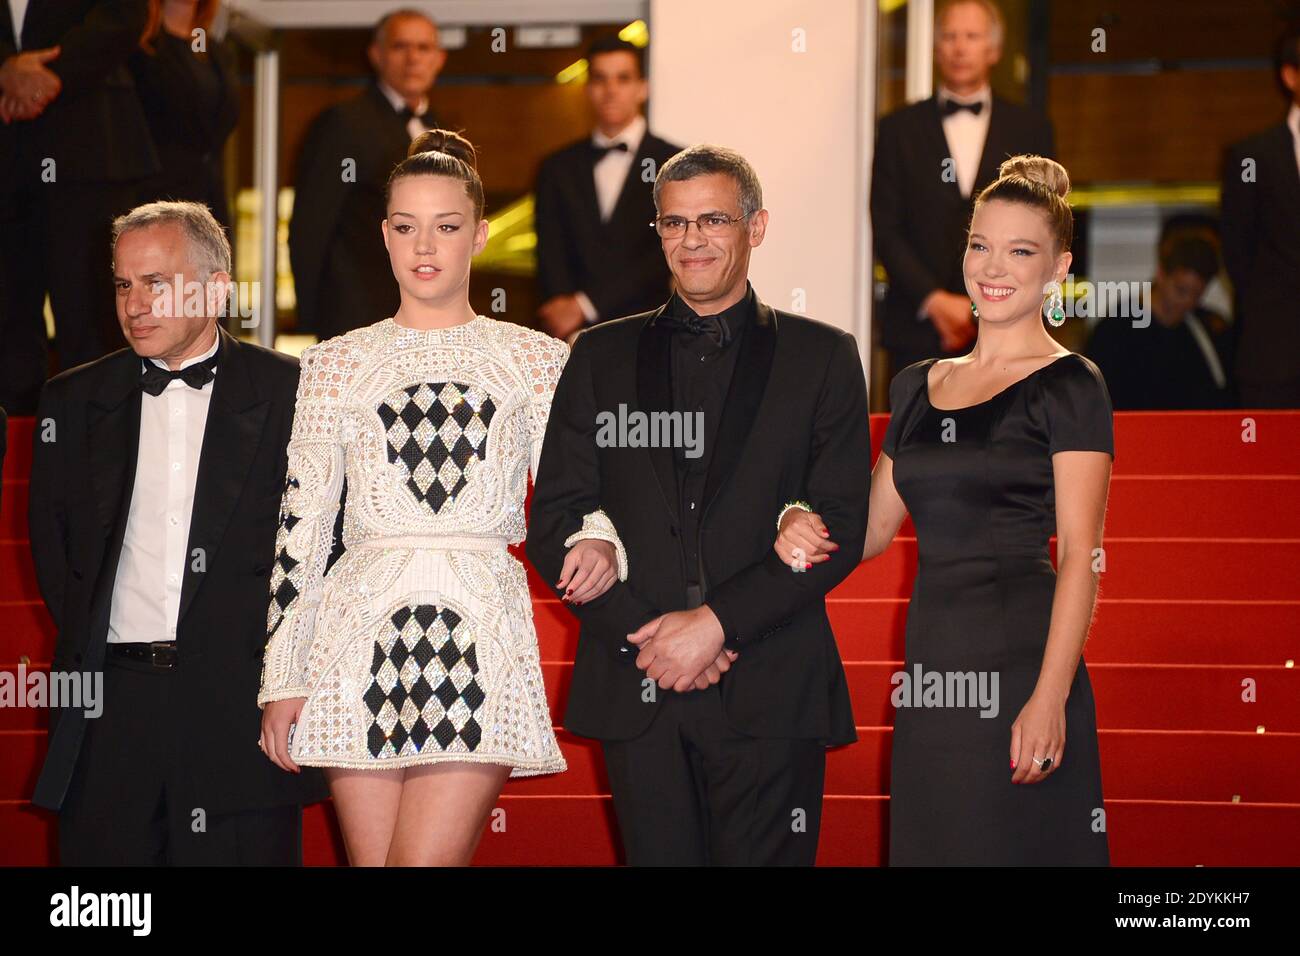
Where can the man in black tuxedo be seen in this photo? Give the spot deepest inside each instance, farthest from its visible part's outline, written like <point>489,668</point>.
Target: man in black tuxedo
<point>710,675</point>
<point>932,159</point>
<point>1261,247</point>
<point>597,257</point>
<point>155,488</point>
<point>74,149</point>
<point>341,273</point>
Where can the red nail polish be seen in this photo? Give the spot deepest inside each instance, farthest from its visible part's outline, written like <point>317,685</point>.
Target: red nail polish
<point>1013,765</point>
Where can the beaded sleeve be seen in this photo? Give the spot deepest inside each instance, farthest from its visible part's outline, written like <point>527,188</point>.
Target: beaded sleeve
<point>308,509</point>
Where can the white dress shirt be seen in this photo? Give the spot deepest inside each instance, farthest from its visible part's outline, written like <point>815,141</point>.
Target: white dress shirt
<point>610,173</point>
<point>966,133</point>
<point>1293,123</point>
<point>18,10</point>
<point>413,125</point>
<point>147,592</point>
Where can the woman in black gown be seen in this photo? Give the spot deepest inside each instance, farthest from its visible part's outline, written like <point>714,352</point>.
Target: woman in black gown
<point>991,453</point>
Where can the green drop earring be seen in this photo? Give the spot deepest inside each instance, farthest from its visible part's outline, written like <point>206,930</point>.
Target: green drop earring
<point>974,311</point>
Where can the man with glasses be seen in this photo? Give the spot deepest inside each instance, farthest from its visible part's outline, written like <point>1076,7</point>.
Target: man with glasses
<point>710,675</point>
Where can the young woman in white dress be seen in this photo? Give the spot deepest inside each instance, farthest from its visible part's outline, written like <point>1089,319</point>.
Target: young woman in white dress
<point>410,671</point>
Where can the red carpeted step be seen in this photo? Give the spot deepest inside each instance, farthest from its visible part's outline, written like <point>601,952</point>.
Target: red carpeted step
<point>1207,443</point>
<point>1129,696</point>
<point>1199,765</point>
<point>1197,506</point>
<point>582,831</point>
<point>1139,696</point>
<point>1174,833</point>
<point>13,508</point>
<point>1124,631</point>
<point>18,454</point>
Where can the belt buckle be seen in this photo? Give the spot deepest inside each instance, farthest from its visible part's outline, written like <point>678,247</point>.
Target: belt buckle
<point>154,658</point>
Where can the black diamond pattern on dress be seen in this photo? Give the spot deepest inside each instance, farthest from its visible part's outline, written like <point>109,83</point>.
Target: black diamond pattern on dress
<point>435,429</point>
<point>423,684</point>
<point>283,590</point>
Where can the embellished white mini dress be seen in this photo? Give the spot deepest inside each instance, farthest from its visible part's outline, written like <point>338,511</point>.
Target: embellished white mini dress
<point>418,645</point>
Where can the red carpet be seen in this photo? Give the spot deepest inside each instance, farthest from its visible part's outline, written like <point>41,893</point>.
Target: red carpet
<point>1201,594</point>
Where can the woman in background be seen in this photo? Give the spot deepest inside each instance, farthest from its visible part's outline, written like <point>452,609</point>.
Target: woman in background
<point>186,80</point>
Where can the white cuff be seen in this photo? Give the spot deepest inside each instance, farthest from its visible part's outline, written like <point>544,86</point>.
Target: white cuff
<point>597,526</point>
<point>588,310</point>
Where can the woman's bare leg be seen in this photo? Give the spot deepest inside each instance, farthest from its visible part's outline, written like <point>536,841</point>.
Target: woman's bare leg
<point>366,802</point>
<point>443,810</point>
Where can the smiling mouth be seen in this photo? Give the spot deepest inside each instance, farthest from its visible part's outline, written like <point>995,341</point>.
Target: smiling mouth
<point>426,270</point>
<point>995,293</point>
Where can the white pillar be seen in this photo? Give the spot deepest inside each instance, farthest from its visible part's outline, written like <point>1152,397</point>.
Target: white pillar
<point>266,123</point>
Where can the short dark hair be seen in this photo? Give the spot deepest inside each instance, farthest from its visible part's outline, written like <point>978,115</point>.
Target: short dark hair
<point>1191,252</point>
<point>612,43</point>
<point>703,159</point>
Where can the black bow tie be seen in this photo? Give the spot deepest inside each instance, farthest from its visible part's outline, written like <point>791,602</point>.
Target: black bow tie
<point>425,118</point>
<point>952,106</point>
<point>714,326</point>
<point>153,378</point>
<point>600,152</point>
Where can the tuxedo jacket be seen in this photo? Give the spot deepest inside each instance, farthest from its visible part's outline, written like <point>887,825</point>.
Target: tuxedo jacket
<point>94,129</point>
<point>1261,248</point>
<point>919,220</point>
<point>619,264</point>
<point>794,426</point>
<point>81,488</point>
<point>341,272</point>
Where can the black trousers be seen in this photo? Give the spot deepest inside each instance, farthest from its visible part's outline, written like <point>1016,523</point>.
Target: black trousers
<point>691,791</point>
<point>55,239</point>
<point>131,801</point>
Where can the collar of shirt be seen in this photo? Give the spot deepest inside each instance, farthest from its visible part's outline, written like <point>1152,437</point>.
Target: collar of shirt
<point>735,315</point>
<point>398,101</point>
<point>192,361</point>
<point>632,134</point>
<point>985,96</point>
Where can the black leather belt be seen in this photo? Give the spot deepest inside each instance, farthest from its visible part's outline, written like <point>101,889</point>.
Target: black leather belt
<point>159,653</point>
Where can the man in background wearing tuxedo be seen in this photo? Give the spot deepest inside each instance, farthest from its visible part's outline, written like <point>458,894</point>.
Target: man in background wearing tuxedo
<point>74,149</point>
<point>341,273</point>
<point>932,159</point>
<point>156,480</point>
<point>710,675</point>
<point>597,257</point>
<point>1261,247</point>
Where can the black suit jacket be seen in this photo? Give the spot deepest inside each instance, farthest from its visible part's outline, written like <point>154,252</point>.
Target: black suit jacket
<point>794,426</point>
<point>94,129</point>
<point>341,272</point>
<point>192,107</point>
<point>919,220</point>
<point>1261,248</point>
<point>619,264</point>
<point>81,490</point>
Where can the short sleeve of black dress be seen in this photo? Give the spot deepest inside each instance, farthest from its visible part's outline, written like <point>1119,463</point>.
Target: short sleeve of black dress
<point>1079,413</point>
<point>904,390</point>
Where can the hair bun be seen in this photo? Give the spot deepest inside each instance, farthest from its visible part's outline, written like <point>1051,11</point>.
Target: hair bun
<point>1037,169</point>
<point>445,141</point>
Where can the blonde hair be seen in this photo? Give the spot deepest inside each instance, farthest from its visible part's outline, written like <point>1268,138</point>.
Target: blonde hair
<point>1038,182</point>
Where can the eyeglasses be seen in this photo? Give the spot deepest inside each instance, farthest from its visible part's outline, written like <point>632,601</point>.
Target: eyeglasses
<point>713,224</point>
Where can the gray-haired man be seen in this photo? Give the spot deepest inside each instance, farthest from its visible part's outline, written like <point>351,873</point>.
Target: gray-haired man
<point>156,479</point>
